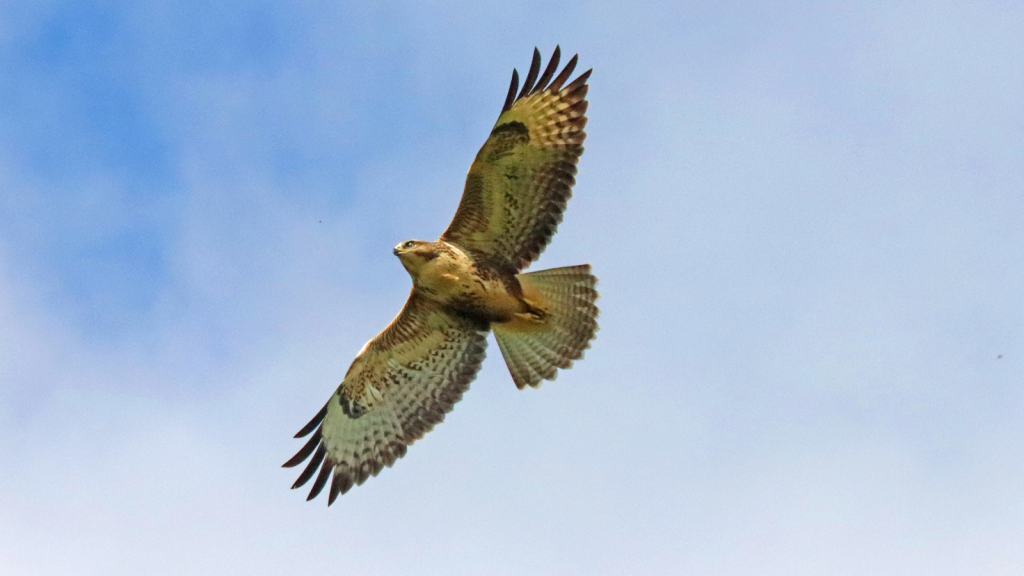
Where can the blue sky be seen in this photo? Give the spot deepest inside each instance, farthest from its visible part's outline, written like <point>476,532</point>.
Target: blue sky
<point>805,218</point>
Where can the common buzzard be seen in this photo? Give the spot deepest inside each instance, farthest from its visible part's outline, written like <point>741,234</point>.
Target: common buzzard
<point>467,283</point>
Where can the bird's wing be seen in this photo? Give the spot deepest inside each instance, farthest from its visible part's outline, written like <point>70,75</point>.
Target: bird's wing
<point>400,385</point>
<point>521,179</point>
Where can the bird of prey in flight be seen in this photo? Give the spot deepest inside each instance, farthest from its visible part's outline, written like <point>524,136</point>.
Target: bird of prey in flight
<point>466,283</point>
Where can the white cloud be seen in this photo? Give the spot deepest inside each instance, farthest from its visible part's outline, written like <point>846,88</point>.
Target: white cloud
<point>806,229</point>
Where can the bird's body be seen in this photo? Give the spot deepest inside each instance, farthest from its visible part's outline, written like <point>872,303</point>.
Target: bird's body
<point>446,274</point>
<point>466,283</point>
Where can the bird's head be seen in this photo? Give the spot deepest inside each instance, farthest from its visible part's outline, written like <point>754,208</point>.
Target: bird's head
<point>414,254</point>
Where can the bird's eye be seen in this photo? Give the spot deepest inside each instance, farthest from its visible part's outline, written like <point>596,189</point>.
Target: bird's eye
<point>408,245</point>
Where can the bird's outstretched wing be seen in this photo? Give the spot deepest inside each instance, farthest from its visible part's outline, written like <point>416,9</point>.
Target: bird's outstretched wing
<point>521,179</point>
<point>400,385</point>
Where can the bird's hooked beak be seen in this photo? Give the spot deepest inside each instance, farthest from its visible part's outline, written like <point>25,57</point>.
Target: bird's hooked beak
<point>395,251</point>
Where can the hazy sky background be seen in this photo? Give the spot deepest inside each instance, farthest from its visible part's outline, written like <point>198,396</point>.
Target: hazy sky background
<point>806,219</point>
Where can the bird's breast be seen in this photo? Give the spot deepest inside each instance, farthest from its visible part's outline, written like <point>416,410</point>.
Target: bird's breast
<point>457,283</point>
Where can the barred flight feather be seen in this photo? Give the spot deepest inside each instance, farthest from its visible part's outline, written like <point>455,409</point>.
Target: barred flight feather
<point>520,183</point>
<point>399,401</point>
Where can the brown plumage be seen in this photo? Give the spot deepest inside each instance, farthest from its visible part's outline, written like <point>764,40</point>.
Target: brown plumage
<point>522,178</point>
<point>467,283</point>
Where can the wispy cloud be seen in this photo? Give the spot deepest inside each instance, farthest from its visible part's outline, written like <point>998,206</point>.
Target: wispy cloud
<point>805,220</point>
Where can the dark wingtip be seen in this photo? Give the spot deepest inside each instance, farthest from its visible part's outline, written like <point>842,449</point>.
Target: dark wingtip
<point>341,484</point>
<point>335,489</point>
<point>531,76</point>
<point>579,81</point>
<point>556,84</point>
<point>321,480</point>
<point>311,467</point>
<point>314,422</point>
<point>511,91</point>
<point>542,83</point>
<point>306,450</point>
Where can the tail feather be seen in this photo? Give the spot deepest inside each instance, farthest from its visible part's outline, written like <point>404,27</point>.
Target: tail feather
<point>536,344</point>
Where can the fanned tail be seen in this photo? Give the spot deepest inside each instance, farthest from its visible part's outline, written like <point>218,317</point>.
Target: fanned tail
<point>535,344</point>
